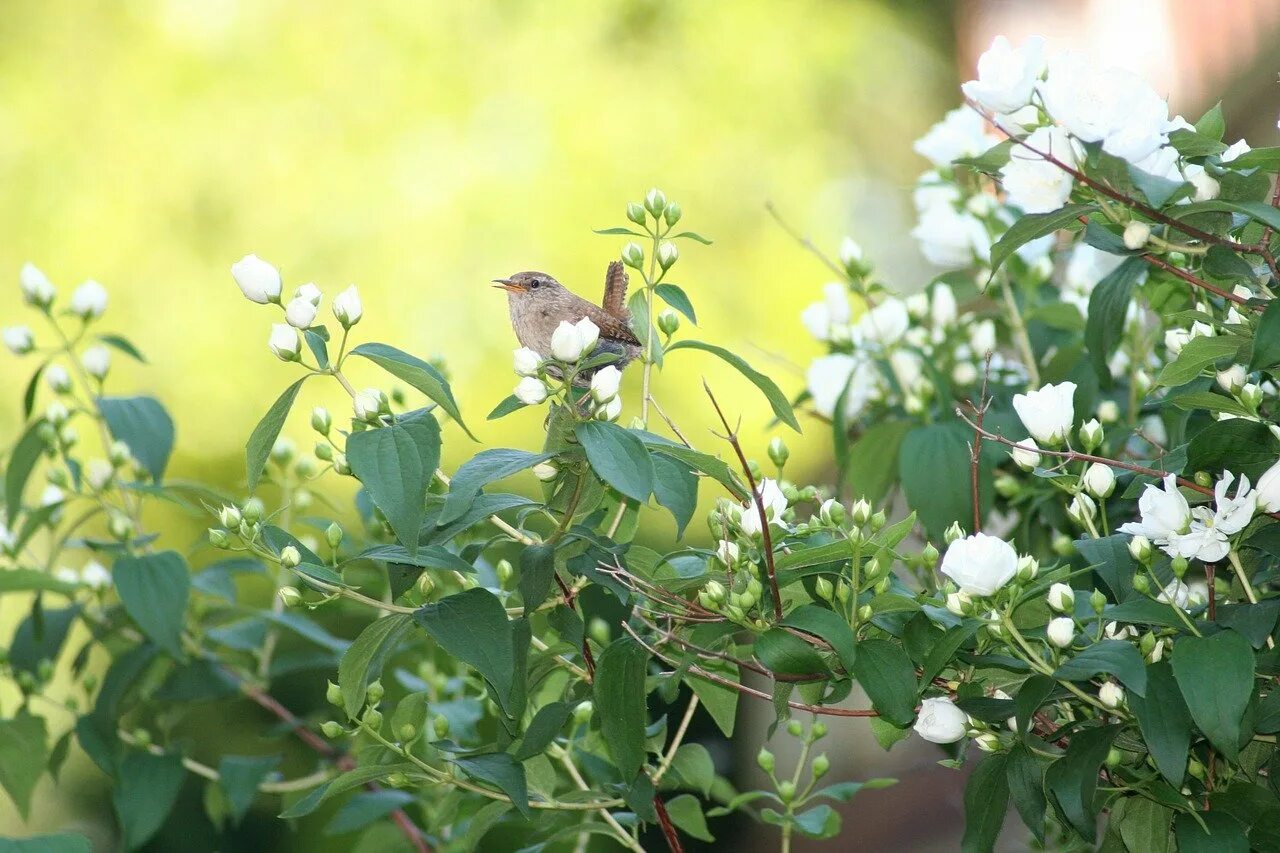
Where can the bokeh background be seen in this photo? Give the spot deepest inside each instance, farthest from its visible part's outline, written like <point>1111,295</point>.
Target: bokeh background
<point>420,149</point>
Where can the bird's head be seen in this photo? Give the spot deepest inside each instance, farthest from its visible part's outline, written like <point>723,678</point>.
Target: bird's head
<point>531,286</point>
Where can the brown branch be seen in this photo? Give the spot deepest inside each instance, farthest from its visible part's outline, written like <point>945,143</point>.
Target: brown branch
<point>1210,569</point>
<point>1265,242</point>
<point>732,437</point>
<point>569,598</point>
<point>1196,280</point>
<point>668,828</point>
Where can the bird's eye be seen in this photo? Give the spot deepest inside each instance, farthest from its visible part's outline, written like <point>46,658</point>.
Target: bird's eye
<point>536,283</point>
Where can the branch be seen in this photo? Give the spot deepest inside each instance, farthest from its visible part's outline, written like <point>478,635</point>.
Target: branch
<point>975,449</point>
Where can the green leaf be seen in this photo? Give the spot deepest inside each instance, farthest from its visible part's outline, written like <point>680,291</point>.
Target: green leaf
<point>933,465</point>
<point>1259,210</point>
<point>502,771</point>
<point>154,589</point>
<point>428,557</point>
<point>472,626</point>
<point>1143,824</point>
<point>511,403</point>
<point>784,653</point>
<point>827,625</point>
<point>713,467</point>
<point>33,580</point>
<point>537,571</point>
<point>396,464</point>
<point>417,373</point>
<point>889,678</point>
<point>239,777</point>
<point>26,453</point>
<point>146,790</point>
<point>691,767</point>
<point>1238,445</point>
<point>368,806</point>
<point>1025,775</point>
<point>1210,401</point>
<point>986,799</point>
<point>63,842</point>
<point>1165,722</point>
<point>1115,657</point>
<point>1196,355</point>
<point>1266,159</point>
<point>487,466</point>
<point>124,345</point>
<point>818,822</point>
<point>1215,675</point>
<point>1072,779</point>
<point>264,435</point>
<point>142,424</point>
<point>777,400</point>
<point>353,778</point>
<point>619,457</point>
<point>1158,189</point>
<point>619,692</point>
<point>677,299</point>
<point>690,235</point>
<point>23,751</point>
<point>1212,124</point>
<point>617,232</point>
<point>685,812</point>
<point>1108,307</point>
<point>873,459</point>
<point>1225,834</point>
<point>1266,342</point>
<point>943,652</point>
<point>720,701</point>
<point>992,160</point>
<point>364,658</point>
<point>1036,225</point>
<point>542,729</point>
<point>676,488</point>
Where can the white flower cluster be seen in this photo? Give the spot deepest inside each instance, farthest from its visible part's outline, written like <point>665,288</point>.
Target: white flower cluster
<point>1200,533</point>
<point>260,282</point>
<point>570,343</point>
<point>88,302</point>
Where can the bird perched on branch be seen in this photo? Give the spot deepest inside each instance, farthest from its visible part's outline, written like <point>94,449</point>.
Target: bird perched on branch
<point>538,304</point>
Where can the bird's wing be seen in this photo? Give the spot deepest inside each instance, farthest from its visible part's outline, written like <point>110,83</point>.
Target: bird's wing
<point>615,291</point>
<point>610,325</point>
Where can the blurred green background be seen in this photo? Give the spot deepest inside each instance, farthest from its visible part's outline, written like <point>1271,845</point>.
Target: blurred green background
<point>420,150</point>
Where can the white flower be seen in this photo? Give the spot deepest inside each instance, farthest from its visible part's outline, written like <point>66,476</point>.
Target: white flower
<point>982,337</point>
<point>1176,339</point>
<point>36,287</point>
<point>827,378</point>
<point>1208,536</point>
<point>8,538</point>
<point>588,333</point>
<point>58,379</point>
<point>526,361</point>
<point>951,239</point>
<point>1234,150</point>
<point>850,252</point>
<point>884,324</point>
<point>1006,75</point>
<point>531,391</point>
<point>19,339</point>
<point>283,341</point>
<point>1047,413</point>
<point>1025,454</point>
<point>964,373</point>
<point>959,602</point>
<point>259,281</point>
<point>1111,695</point>
<point>1206,186</point>
<point>961,133</point>
<point>1136,234</point>
<point>1100,480</point>
<point>1061,597</point>
<point>308,291</point>
<point>823,318</point>
<point>1061,631</point>
<point>301,312</point>
<point>1108,105</point>
<point>1082,510</point>
<point>610,410</point>
<point>347,309</point>
<point>774,503</point>
<point>942,311</point>
<point>96,360</point>
<point>51,495</point>
<point>1165,512</point>
<point>89,300</point>
<point>917,305</point>
<point>1176,593</point>
<point>546,471</point>
<point>604,383</point>
<point>566,342</point>
<point>369,403</point>
<point>67,575</point>
<point>727,552</point>
<point>1232,379</point>
<point>980,564</point>
<point>940,721</point>
<point>1031,182</point>
<point>95,575</point>
<point>1268,490</point>
<point>98,473</point>
<point>668,254</point>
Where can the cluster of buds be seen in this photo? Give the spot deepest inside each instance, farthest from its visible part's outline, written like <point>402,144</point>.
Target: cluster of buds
<point>739,598</point>
<point>244,521</point>
<point>571,343</point>
<point>655,214</point>
<point>262,283</point>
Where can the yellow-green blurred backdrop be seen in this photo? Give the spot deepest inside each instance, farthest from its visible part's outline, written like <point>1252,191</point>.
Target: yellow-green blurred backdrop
<point>421,149</point>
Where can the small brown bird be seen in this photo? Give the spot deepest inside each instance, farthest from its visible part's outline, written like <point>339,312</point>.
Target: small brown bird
<point>538,304</point>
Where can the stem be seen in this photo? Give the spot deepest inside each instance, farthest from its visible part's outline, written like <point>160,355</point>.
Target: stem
<point>624,837</point>
<point>1020,336</point>
<point>676,740</point>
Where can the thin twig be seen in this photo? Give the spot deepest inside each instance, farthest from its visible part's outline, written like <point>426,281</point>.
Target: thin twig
<point>975,449</point>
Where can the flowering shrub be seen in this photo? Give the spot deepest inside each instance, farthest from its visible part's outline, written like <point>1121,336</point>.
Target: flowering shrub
<point>1049,532</point>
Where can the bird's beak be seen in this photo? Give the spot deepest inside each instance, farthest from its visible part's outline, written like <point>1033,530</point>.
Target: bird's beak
<point>508,284</point>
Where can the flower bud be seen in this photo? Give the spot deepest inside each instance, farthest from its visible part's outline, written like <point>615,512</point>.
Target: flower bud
<point>323,451</point>
<point>1136,235</point>
<point>219,538</point>
<point>1097,601</point>
<point>672,214</point>
<point>19,339</point>
<point>333,694</point>
<point>283,342</point>
<point>633,255</point>
<point>778,451</point>
<point>727,552</point>
<point>321,420</point>
<point>1061,631</point>
<point>953,532</point>
<point>1008,486</point>
<point>290,596</point>
<point>504,570</point>
<point>58,379</point>
<point>333,535</point>
<point>1232,379</point>
<point>959,603</point>
<point>290,557</point>
<point>340,464</point>
<point>96,361</point>
<point>531,391</point>
<point>440,724</point>
<point>655,201</point>
<point>283,450</point>
<point>795,728</point>
<point>1091,433</point>
<point>1082,510</point>
<point>258,280</point>
<point>765,759</point>
<point>1111,695</point>
<point>988,742</point>
<point>929,556</point>
<point>786,790</point>
<point>1141,584</point>
<point>1179,566</point>
<point>252,510</point>
<point>821,764</point>
<point>347,308</point>
<point>229,517</point>
<point>546,471</point>
<point>426,585</point>
<point>1206,186</point>
<point>1251,395</point>
<point>375,691</point>
<point>370,404</point>
<point>635,212</point>
<point>668,322</point>
<point>832,512</point>
<point>1061,598</point>
<point>1140,548</point>
<point>715,590</point>
<point>1028,568</point>
<point>121,527</point>
<point>373,719</point>
<point>824,588</point>
<point>1099,480</point>
<point>668,254</point>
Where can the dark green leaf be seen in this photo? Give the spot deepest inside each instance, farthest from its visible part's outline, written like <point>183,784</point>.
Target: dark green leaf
<point>363,659</point>
<point>933,464</point>
<point>428,557</point>
<point>784,653</point>
<point>986,799</point>
<point>827,625</point>
<point>26,453</point>
<point>537,571</point>
<point>1225,834</point>
<point>889,678</point>
<point>777,400</point>
<point>23,751</point>
<point>511,403</point>
<point>1115,657</point>
<point>1073,778</point>
<point>1143,825</point>
<point>502,771</point>
<point>676,488</point>
<point>368,806</point>
<point>417,373</point>
<point>142,424</point>
<point>239,777</point>
<point>618,232</point>
<point>693,236</point>
<point>145,792</point>
<point>1108,308</point>
<point>942,652</point>
<point>676,298</point>
<point>1266,342</point>
<point>1212,124</point>
<point>992,160</point>
<point>487,466</point>
<point>354,778</point>
<point>1198,354</point>
<point>40,637</point>
<point>154,589</point>
<point>264,435</point>
<point>1158,189</point>
<point>396,464</point>
<point>542,730</point>
<point>1215,675</point>
<point>685,812</point>
<point>1036,225</point>
<point>1165,722</point>
<point>124,345</point>
<point>1025,776</point>
<point>619,692</point>
<point>713,467</point>
<point>873,459</point>
<point>472,626</point>
<point>693,768</point>
<point>1191,144</point>
<point>63,842</point>
<point>1239,445</point>
<point>619,457</point>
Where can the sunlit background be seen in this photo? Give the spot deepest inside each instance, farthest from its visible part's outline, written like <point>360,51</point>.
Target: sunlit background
<point>421,149</point>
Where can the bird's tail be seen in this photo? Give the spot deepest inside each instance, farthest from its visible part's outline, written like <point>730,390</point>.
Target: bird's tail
<point>615,291</point>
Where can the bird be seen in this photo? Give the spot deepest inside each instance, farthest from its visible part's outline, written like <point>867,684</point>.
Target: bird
<point>538,304</point>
